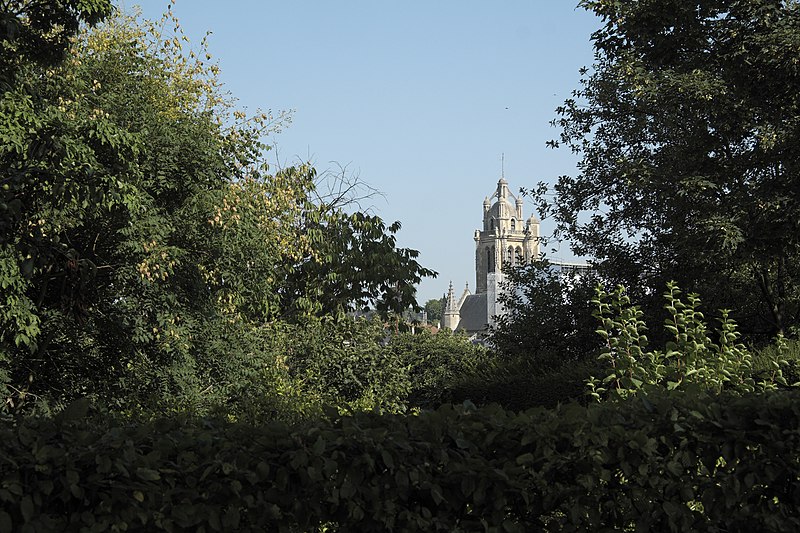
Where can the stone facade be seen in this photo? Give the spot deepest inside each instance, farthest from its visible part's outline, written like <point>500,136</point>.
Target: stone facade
<point>506,237</point>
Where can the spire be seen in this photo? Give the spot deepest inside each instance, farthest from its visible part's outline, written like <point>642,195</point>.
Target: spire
<point>502,189</point>
<point>451,299</point>
<point>452,314</point>
<point>502,166</point>
<point>464,295</point>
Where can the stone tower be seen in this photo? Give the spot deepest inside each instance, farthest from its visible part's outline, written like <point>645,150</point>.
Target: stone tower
<point>506,237</point>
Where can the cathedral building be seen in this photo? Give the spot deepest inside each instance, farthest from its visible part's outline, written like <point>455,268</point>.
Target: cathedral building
<point>506,237</point>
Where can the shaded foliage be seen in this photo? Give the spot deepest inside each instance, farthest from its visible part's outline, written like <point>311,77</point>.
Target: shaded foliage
<point>687,128</point>
<point>678,462</point>
<point>522,383</point>
<point>548,317</point>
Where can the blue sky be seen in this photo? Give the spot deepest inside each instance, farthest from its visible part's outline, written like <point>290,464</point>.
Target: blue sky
<point>418,98</point>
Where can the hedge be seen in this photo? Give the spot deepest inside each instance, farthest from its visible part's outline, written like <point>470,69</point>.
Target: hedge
<point>681,462</point>
<point>519,387</point>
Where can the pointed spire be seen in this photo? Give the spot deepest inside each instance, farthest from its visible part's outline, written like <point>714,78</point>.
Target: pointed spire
<point>451,298</point>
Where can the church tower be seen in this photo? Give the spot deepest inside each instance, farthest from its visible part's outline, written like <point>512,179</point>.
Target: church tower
<point>506,237</point>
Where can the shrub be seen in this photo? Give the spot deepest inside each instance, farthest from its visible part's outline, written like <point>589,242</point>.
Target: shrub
<point>344,363</point>
<point>690,357</point>
<point>435,363</point>
<point>520,384</point>
<point>658,462</point>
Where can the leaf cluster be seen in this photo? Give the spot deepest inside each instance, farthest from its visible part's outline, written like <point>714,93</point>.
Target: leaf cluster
<point>689,359</point>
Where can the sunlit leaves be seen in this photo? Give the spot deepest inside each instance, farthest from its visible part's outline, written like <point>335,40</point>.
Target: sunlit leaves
<point>690,357</point>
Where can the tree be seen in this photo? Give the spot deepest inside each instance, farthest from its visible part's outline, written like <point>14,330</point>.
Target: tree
<point>34,37</point>
<point>149,251</point>
<point>353,264</point>
<point>137,233</point>
<point>688,131</point>
<point>548,320</point>
<point>435,309</point>
<point>40,32</point>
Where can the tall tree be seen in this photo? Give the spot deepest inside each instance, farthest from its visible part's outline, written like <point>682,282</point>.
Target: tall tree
<point>145,246</point>
<point>689,130</point>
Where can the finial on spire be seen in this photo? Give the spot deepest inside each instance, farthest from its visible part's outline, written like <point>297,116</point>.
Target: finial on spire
<point>503,165</point>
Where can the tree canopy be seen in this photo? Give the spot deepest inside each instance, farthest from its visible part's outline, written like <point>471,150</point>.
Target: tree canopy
<point>146,249</point>
<point>688,127</point>
<point>548,315</point>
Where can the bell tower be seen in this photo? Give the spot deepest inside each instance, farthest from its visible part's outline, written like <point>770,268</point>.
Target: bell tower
<point>506,237</point>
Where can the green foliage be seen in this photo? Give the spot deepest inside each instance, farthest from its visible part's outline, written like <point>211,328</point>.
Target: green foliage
<point>146,250</point>
<point>690,357</point>
<point>40,32</point>
<point>343,363</point>
<point>435,363</point>
<point>135,208</point>
<point>354,265</point>
<point>33,36</point>
<point>783,355</point>
<point>435,309</point>
<point>677,462</point>
<point>522,383</point>
<point>548,317</point>
<point>687,128</point>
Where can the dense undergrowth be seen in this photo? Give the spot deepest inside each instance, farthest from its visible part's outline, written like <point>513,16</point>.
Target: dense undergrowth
<point>680,461</point>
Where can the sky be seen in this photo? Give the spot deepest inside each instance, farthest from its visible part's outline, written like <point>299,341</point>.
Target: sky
<point>419,99</point>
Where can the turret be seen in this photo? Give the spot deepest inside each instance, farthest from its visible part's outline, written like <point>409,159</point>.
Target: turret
<point>452,314</point>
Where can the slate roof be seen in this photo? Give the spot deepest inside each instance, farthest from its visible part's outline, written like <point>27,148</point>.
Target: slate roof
<point>473,314</point>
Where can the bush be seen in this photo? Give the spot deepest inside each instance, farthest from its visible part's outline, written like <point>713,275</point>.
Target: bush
<point>435,363</point>
<point>344,363</point>
<point>283,371</point>
<point>521,384</point>
<point>689,358</point>
<point>663,462</point>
